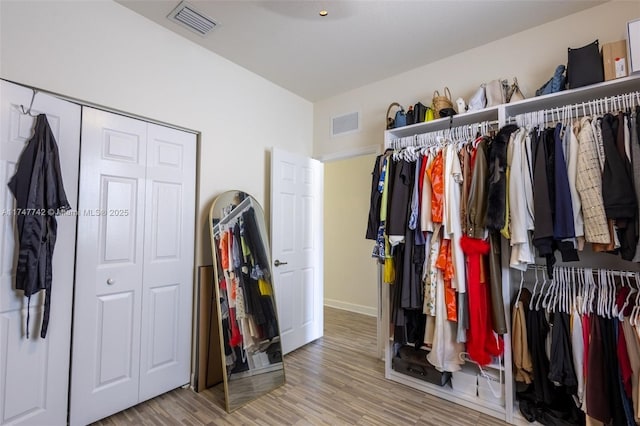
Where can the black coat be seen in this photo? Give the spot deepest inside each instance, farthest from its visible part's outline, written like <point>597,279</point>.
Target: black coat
<point>39,192</point>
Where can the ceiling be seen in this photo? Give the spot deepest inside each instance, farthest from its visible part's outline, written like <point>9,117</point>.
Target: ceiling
<point>358,42</point>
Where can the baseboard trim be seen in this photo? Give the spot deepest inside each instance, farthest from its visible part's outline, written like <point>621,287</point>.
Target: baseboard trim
<point>352,307</point>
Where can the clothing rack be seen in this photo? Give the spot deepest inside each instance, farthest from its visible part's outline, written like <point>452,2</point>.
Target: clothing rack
<point>585,289</point>
<point>231,218</point>
<point>454,134</point>
<point>568,112</point>
<point>581,270</point>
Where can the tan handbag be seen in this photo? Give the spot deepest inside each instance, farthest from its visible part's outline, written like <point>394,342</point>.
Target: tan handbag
<point>496,92</point>
<point>515,94</point>
<point>440,102</point>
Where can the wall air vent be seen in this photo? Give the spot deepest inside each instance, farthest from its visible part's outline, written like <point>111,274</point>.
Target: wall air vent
<point>346,123</point>
<point>187,16</point>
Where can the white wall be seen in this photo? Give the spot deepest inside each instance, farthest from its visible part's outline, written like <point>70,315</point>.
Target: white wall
<point>350,274</point>
<point>531,56</point>
<point>101,52</point>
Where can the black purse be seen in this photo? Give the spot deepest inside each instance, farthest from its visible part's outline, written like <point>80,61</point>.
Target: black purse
<point>584,66</point>
<point>420,112</point>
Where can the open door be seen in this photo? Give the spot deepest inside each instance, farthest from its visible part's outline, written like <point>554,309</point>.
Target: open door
<point>296,237</point>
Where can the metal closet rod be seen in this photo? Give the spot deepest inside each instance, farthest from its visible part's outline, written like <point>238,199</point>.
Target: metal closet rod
<point>100,107</point>
<point>430,138</point>
<point>583,269</point>
<point>592,107</point>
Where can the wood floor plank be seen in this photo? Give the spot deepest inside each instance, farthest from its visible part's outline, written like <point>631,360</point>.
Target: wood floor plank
<point>336,380</point>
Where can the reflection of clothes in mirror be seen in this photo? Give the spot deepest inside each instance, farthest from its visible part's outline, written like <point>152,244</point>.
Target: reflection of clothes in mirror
<point>250,323</point>
<point>254,239</point>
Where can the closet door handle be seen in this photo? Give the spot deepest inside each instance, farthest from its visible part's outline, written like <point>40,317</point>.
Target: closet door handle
<point>111,281</point>
<point>278,263</point>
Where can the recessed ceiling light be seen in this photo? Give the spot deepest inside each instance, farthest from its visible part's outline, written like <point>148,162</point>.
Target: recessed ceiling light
<point>323,12</point>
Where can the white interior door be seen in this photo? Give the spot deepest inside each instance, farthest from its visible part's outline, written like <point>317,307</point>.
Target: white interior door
<point>165,357</point>
<point>109,266</point>
<point>296,236</point>
<point>34,375</point>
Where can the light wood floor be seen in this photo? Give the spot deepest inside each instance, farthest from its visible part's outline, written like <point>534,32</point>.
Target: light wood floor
<point>336,380</point>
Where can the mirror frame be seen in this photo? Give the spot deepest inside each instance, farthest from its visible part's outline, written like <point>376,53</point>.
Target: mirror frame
<point>227,197</point>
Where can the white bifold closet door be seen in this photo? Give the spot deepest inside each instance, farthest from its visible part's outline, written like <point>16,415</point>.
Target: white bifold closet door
<point>34,372</point>
<point>134,265</point>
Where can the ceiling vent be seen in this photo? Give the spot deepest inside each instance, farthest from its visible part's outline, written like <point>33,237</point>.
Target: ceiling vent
<point>187,16</point>
<point>347,123</point>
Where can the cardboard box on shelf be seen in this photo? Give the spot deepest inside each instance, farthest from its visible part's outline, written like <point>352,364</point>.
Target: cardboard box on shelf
<point>614,59</point>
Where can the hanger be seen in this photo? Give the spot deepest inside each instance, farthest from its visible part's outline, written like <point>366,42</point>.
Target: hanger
<point>549,295</point>
<point>612,310</point>
<point>520,289</point>
<point>28,111</point>
<point>533,293</point>
<point>579,299</point>
<point>615,310</point>
<point>541,294</point>
<point>626,300</point>
<point>567,291</point>
<point>633,318</point>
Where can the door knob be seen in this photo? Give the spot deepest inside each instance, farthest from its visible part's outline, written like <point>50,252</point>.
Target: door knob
<point>278,263</point>
<point>111,281</point>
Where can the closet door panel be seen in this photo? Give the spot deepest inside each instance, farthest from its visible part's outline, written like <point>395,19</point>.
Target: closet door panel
<point>109,268</point>
<point>168,261</point>
<point>34,375</point>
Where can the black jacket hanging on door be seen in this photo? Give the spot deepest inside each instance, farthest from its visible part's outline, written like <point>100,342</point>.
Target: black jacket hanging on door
<point>39,192</point>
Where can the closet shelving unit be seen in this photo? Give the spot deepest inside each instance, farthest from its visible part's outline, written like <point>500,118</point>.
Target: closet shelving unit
<point>506,408</point>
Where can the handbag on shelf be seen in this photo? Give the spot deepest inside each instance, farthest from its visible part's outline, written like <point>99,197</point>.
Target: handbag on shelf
<point>399,119</point>
<point>410,116</point>
<point>479,99</point>
<point>422,113</point>
<point>555,84</point>
<point>496,92</point>
<point>515,94</point>
<point>430,115</point>
<point>440,102</point>
<point>584,66</point>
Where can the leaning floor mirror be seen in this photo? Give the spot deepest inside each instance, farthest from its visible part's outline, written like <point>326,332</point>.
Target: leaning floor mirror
<point>247,316</point>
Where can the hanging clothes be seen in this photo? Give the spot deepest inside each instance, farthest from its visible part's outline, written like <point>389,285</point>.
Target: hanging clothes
<point>620,199</point>
<point>373,222</point>
<point>543,231</point>
<point>519,344</point>
<point>589,186</point>
<point>477,201</point>
<point>481,342</point>
<point>497,187</point>
<point>39,192</point>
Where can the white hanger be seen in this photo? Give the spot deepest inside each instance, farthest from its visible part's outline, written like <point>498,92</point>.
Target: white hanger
<point>611,294</point>
<point>533,293</point>
<point>568,291</point>
<point>540,293</point>
<point>626,300</point>
<point>577,291</point>
<point>549,295</point>
<point>520,289</point>
<point>634,312</point>
<point>614,305</point>
<point>599,300</point>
